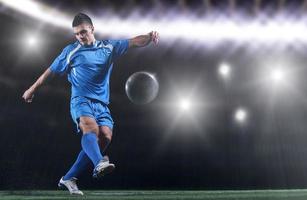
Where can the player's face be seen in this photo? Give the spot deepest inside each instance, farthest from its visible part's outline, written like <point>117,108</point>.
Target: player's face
<point>84,33</point>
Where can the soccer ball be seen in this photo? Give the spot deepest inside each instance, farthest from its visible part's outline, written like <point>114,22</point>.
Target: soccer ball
<point>142,87</point>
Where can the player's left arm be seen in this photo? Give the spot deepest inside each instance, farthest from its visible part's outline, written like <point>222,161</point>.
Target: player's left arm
<point>144,40</point>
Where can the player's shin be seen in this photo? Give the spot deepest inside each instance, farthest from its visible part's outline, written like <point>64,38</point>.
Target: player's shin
<point>90,146</point>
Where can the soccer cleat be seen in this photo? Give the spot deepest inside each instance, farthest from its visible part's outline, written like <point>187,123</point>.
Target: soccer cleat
<point>103,167</point>
<point>71,185</point>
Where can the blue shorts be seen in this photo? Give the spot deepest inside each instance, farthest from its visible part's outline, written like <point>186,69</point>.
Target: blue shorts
<point>83,106</point>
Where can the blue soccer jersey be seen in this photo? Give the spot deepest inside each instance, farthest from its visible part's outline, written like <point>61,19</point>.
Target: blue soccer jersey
<point>89,67</point>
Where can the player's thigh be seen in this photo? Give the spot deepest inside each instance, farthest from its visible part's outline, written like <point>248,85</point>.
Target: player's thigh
<point>105,132</point>
<point>88,124</point>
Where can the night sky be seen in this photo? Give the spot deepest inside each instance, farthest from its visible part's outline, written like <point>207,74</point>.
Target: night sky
<point>157,145</point>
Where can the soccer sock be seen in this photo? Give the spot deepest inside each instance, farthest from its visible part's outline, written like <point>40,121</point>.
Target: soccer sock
<point>89,143</point>
<point>81,164</point>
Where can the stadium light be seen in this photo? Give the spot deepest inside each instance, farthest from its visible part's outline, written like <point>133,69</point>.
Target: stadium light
<point>31,40</point>
<point>240,115</point>
<point>185,104</point>
<point>182,26</point>
<point>224,70</point>
<point>39,11</point>
<point>277,75</point>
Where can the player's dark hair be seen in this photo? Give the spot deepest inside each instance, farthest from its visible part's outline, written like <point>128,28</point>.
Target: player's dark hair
<point>81,18</point>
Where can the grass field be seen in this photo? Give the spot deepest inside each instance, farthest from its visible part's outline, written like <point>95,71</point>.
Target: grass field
<point>162,194</point>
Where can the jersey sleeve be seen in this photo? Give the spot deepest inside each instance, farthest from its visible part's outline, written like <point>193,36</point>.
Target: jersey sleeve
<point>120,47</point>
<point>60,64</point>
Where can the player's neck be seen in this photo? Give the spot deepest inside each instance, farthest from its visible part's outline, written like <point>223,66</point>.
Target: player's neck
<point>91,43</point>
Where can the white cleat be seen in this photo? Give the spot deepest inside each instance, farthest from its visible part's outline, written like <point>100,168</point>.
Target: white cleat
<point>71,185</point>
<point>103,167</point>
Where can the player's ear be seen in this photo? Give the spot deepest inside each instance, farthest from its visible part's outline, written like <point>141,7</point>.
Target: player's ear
<point>92,29</point>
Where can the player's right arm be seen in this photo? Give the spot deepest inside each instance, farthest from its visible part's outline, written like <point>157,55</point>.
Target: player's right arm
<point>28,95</point>
<point>59,66</point>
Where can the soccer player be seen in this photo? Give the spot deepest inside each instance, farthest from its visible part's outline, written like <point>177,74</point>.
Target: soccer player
<point>88,64</point>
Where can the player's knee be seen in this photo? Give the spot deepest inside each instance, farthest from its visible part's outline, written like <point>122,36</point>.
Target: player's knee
<point>90,129</point>
<point>89,126</point>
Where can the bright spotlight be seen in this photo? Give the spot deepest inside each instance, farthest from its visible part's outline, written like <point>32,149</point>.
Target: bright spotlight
<point>224,28</point>
<point>277,75</point>
<point>32,41</point>
<point>184,104</point>
<point>224,70</point>
<point>240,115</point>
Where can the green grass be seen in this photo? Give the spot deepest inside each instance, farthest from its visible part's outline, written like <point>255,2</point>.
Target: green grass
<point>160,194</point>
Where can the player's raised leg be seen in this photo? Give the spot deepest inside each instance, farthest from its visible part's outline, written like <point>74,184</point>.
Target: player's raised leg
<point>89,140</point>
<point>104,139</point>
<point>90,146</point>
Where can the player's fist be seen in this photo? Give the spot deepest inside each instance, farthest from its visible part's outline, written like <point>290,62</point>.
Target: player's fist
<point>28,95</point>
<point>154,36</point>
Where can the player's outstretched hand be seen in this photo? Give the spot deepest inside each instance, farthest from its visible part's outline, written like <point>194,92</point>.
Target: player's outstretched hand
<point>28,95</point>
<point>154,35</point>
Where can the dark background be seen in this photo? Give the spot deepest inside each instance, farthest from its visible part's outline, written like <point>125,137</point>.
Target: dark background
<point>156,146</point>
